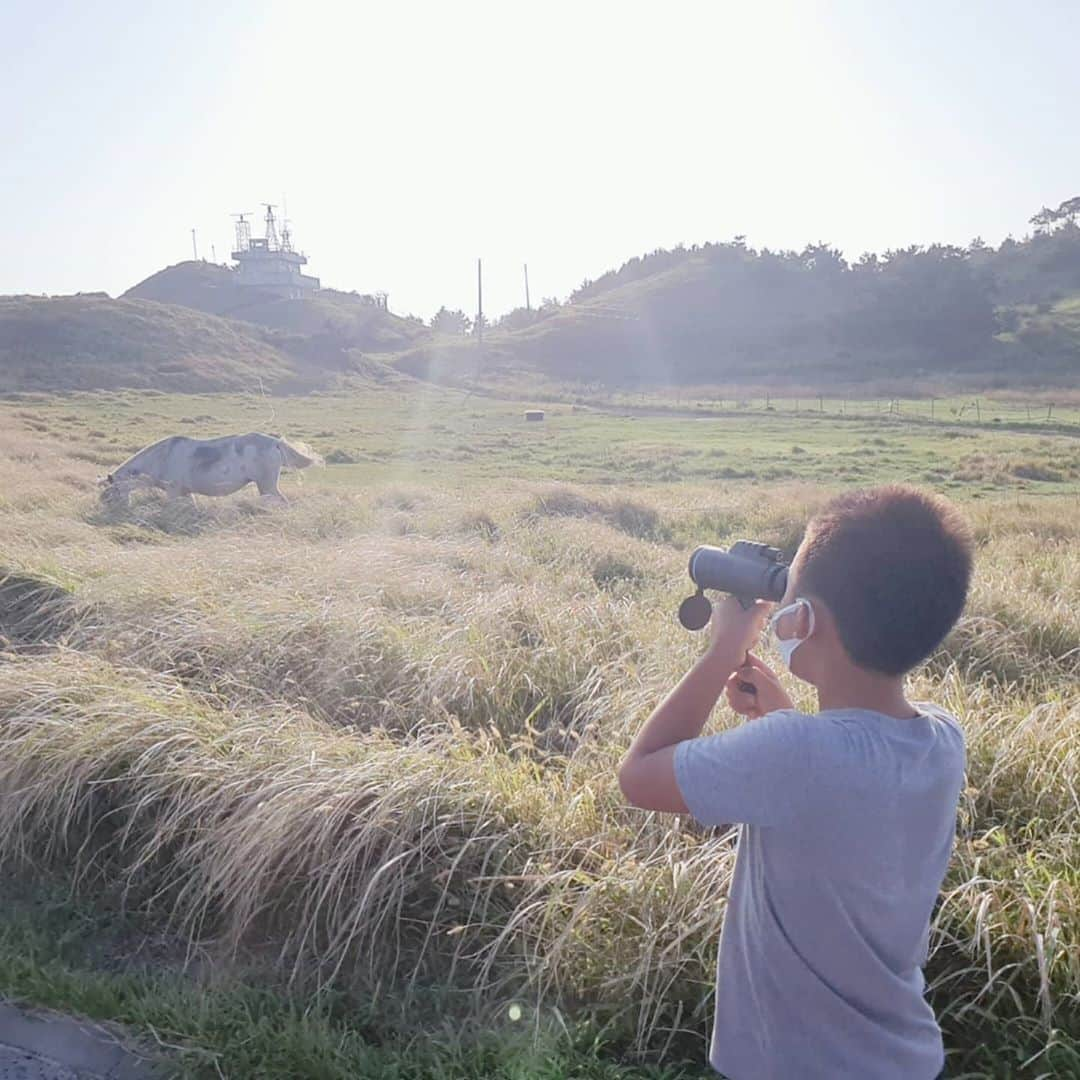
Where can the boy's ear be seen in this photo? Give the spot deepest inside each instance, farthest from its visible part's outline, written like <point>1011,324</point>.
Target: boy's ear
<point>824,620</point>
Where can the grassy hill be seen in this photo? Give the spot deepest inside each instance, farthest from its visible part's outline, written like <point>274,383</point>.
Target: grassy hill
<point>940,318</point>
<point>331,319</point>
<point>203,286</point>
<point>91,342</point>
<point>1050,331</point>
<point>688,323</point>
<point>726,313</point>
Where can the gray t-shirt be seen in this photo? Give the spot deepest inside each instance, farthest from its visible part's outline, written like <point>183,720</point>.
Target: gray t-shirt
<point>848,820</point>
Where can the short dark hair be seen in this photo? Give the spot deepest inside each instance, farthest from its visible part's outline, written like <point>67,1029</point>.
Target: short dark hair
<point>893,565</point>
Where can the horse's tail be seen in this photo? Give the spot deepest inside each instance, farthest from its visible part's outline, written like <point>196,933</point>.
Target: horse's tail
<point>298,455</point>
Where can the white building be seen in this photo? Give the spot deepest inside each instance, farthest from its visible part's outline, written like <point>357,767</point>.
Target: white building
<point>270,264</point>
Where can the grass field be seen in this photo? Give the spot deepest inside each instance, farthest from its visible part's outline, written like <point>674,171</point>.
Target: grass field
<point>329,790</point>
<point>426,435</point>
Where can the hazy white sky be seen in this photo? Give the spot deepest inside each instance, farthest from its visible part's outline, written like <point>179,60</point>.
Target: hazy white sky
<point>410,138</point>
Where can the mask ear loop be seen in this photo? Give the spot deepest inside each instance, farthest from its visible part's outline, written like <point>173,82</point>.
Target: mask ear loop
<point>790,609</point>
<point>749,687</point>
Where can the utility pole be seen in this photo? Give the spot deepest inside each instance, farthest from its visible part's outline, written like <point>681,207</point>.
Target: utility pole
<point>194,246</point>
<point>213,254</point>
<point>528,306</point>
<point>480,306</point>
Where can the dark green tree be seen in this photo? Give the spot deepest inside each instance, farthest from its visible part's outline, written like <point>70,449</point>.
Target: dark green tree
<point>450,322</point>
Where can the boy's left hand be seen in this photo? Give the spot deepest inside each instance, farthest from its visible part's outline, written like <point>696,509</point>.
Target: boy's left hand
<point>753,689</point>
<point>735,629</point>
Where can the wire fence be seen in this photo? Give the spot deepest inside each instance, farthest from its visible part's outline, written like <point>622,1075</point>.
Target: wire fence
<point>974,409</point>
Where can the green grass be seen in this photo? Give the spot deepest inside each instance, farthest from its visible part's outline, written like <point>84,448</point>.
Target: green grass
<point>422,434</point>
<point>358,756</point>
<point>75,957</point>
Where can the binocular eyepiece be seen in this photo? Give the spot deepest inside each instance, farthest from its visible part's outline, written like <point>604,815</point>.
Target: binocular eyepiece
<point>749,571</point>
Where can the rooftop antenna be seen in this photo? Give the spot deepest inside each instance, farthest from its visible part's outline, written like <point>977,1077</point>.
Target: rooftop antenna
<point>286,234</point>
<point>271,228</point>
<point>243,231</point>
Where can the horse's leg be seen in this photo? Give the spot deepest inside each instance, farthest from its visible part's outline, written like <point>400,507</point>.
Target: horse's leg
<point>178,494</point>
<point>267,482</point>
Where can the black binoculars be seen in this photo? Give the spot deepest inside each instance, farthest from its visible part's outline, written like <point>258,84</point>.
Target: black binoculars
<point>749,571</point>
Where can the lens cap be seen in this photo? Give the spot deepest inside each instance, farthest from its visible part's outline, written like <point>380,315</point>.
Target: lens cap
<point>695,611</point>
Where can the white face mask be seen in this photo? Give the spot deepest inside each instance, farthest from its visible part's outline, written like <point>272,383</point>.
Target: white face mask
<point>787,646</point>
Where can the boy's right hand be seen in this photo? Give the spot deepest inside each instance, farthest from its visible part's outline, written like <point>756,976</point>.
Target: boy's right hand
<point>768,695</point>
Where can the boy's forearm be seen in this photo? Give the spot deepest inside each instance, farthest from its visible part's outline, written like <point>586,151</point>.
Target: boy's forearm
<point>684,712</point>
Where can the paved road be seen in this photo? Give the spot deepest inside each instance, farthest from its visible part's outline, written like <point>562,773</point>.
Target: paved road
<point>47,1046</point>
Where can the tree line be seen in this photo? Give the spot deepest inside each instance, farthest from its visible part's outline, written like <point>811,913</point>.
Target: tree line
<point>716,310</point>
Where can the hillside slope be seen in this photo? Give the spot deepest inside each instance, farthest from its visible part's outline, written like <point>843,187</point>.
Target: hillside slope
<point>1050,332</point>
<point>725,312</point>
<point>90,342</point>
<point>203,286</point>
<point>337,320</point>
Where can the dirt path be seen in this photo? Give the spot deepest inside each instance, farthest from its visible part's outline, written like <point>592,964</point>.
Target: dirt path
<point>49,1046</point>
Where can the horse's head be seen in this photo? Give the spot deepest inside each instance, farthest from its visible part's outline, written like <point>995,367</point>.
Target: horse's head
<point>116,487</point>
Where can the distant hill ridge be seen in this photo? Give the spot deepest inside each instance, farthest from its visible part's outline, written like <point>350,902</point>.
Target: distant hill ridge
<point>191,328</point>
<point>338,320</point>
<point>92,342</point>
<point>715,313</point>
<point>705,315</point>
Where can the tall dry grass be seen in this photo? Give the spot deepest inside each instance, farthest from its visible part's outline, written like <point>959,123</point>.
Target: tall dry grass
<point>372,739</point>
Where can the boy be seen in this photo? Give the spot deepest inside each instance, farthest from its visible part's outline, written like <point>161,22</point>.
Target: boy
<point>848,815</point>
